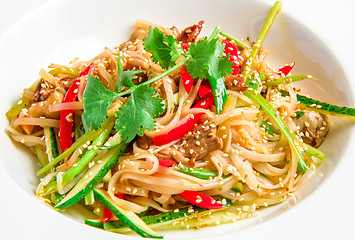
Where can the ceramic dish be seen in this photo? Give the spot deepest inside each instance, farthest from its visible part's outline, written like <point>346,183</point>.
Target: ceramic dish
<point>62,30</point>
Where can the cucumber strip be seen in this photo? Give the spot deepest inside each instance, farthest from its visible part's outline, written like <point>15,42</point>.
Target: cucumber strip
<point>79,130</point>
<point>162,219</point>
<point>200,173</point>
<point>94,223</point>
<point>51,144</point>
<point>129,218</point>
<point>41,155</point>
<point>107,177</point>
<point>326,108</point>
<point>92,177</point>
<point>90,198</point>
<point>77,144</point>
<point>74,171</point>
<point>69,175</point>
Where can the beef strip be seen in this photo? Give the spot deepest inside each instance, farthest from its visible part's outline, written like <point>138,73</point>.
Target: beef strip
<point>198,143</point>
<point>190,34</point>
<point>235,83</point>
<point>313,127</point>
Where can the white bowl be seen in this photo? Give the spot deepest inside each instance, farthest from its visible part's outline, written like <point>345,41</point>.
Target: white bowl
<point>62,30</point>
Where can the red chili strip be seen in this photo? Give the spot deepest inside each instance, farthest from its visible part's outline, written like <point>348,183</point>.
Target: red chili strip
<point>108,215</point>
<point>206,103</point>
<point>66,116</point>
<point>203,90</point>
<point>166,163</point>
<point>285,70</point>
<point>186,79</point>
<point>232,49</point>
<point>201,199</point>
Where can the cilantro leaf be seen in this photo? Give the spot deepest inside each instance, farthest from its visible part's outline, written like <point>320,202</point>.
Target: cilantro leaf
<point>96,100</point>
<point>138,113</point>
<point>163,48</point>
<point>125,78</point>
<point>207,60</point>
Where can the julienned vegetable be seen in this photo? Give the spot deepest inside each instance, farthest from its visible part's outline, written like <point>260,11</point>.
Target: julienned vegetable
<point>206,102</point>
<point>325,107</point>
<point>66,117</point>
<point>168,134</point>
<point>127,217</point>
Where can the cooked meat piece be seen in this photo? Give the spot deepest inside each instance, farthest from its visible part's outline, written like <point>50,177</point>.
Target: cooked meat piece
<point>200,142</point>
<point>313,127</point>
<point>144,142</point>
<point>190,34</point>
<point>235,83</point>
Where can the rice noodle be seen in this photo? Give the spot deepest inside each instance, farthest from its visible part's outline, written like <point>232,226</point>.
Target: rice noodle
<point>247,164</point>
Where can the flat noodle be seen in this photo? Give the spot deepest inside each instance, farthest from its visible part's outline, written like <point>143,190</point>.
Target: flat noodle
<point>251,167</point>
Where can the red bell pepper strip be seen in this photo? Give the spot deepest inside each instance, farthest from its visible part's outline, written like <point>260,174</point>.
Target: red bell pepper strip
<point>66,116</point>
<point>186,79</point>
<point>166,163</point>
<point>203,90</point>
<point>108,215</point>
<point>206,103</point>
<point>200,199</point>
<point>285,70</point>
<point>232,49</point>
<point>185,46</point>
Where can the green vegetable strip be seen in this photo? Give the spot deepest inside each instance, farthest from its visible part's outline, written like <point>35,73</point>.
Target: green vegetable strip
<point>200,173</point>
<point>77,144</point>
<point>294,78</point>
<point>214,33</point>
<point>163,218</point>
<point>261,37</point>
<point>90,198</point>
<point>22,103</point>
<point>219,93</point>
<point>325,107</point>
<point>69,175</point>
<point>313,151</point>
<point>237,41</point>
<point>41,155</point>
<point>270,111</point>
<point>67,70</point>
<point>260,100</point>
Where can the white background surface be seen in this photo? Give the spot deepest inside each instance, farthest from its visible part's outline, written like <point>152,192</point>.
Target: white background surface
<point>332,20</point>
